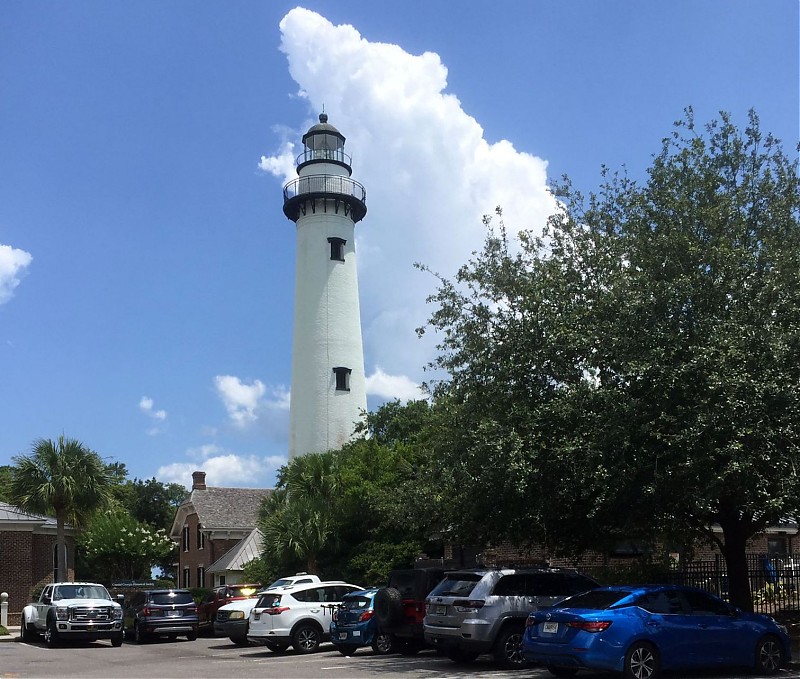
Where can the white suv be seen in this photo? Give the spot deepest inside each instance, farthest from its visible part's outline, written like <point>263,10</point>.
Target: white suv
<point>299,615</point>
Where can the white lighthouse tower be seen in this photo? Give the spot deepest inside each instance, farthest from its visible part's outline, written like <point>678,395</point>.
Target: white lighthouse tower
<point>328,385</point>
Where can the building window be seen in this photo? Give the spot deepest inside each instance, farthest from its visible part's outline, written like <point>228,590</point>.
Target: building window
<point>337,248</point>
<point>221,579</point>
<point>201,577</point>
<point>776,546</point>
<point>342,378</point>
<point>201,538</point>
<point>186,538</point>
<point>187,577</point>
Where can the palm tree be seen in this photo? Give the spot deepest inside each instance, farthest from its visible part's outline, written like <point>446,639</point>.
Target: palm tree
<point>63,479</point>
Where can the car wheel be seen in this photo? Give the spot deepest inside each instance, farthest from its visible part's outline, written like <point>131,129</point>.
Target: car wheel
<point>347,649</point>
<point>769,655</point>
<point>239,641</point>
<point>461,657</point>
<point>116,640</point>
<point>388,604</point>
<point>641,662</point>
<point>27,632</point>
<point>276,647</point>
<point>191,636</point>
<point>507,649</point>
<point>51,634</point>
<point>306,638</point>
<point>562,671</point>
<point>383,643</point>
<point>139,635</point>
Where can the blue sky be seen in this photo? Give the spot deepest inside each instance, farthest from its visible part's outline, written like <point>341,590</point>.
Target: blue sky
<point>146,267</point>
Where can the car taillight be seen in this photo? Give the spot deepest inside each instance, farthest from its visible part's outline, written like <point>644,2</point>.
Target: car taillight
<point>366,615</point>
<point>277,610</point>
<point>529,621</point>
<point>462,605</point>
<point>590,625</point>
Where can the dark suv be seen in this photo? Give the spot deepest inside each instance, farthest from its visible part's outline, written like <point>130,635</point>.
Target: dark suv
<point>479,611</point>
<point>168,612</point>
<point>400,607</point>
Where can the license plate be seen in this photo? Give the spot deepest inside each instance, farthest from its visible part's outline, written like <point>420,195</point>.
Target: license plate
<point>439,610</point>
<point>357,633</point>
<point>342,636</point>
<point>550,627</point>
<point>174,614</point>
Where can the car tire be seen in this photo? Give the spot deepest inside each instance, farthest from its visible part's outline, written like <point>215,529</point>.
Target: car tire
<point>139,636</point>
<point>461,657</point>
<point>27,632</point>
<point>276,647</point>
<point>347,649</point>
<point>191,636</point>
<point>306,638</point>
<point>641,662</point>
<point>388,604</point>
<point>51,634</point>
<point>382,643</point>
<point>769,655</point>
<point>562,671</point>
<point>116,639</point>
<point>507,649</point>
<point>240,641</point>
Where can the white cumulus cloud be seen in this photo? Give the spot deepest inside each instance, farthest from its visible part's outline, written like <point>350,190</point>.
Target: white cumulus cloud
<point>245,402</point>
<point>13,265</point>
<point>391,387</point>
<point>429,172</point>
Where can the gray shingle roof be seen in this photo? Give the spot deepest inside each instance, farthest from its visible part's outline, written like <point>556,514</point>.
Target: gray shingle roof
<point>11,513</point>
<point>228,507</point>
<point>235,559</point>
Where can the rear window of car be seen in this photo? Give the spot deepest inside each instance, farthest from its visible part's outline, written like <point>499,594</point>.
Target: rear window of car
<point>597,600</point>
<point>404,583</point>
<point>356,603</point>
<point>166,598</point>
<point>457,584</point>
<point>269,601</point>
<point>242,591</point>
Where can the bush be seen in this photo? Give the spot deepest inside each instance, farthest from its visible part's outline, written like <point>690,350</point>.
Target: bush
<point>3,631</point>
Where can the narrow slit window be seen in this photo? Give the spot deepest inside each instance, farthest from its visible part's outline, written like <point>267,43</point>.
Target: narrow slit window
<point>342,378</point>
<point>337,248</point>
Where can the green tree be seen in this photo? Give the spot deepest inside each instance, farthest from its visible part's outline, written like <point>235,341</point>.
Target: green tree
<point>635,372</point>
<point>120,547</point>
<point>6,472</point>
<point>64,479</point>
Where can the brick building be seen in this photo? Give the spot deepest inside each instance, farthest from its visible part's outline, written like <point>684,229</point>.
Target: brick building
<point>28,556</point>
<point>208,525</point>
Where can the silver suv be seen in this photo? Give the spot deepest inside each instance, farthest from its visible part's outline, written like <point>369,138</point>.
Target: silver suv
<point>479,611</point>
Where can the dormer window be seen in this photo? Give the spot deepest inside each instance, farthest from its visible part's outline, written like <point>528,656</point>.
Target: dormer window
<point>342,378</point>
<point>337,248</point>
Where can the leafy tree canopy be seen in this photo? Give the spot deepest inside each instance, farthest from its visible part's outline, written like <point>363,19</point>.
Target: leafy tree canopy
<point>634,372</point>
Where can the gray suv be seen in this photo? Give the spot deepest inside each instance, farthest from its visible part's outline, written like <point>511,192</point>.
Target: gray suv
<point>479,611</point>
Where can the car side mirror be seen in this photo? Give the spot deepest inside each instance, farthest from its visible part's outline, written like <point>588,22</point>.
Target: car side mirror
<point>120,599</point>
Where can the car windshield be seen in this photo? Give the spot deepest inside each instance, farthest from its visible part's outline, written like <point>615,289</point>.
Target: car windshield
<point>74,591</point>
<point>356,603</point>
<point>595,600</point>
<point>457,584</point>
<point>269,601</point>
<point>243,591</point>
<point>167,598</point>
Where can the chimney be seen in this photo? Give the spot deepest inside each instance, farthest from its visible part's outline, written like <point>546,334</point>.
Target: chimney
<point>198,480</point>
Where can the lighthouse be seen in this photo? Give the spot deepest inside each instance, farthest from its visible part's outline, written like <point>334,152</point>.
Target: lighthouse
<point>328,395</point>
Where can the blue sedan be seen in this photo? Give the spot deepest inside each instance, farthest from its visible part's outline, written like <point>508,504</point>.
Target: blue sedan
<point>354,625</point>
<point>642,629</point>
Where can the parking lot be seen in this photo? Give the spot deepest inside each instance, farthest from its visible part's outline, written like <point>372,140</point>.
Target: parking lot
<point>212,658</point>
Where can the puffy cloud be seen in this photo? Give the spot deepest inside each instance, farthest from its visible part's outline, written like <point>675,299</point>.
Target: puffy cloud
<point>429,172</point>
<point>146,406</point>
<point>222,468</point>
<point>390,387</point>
<point>13,265</point>
<point>245,403</point>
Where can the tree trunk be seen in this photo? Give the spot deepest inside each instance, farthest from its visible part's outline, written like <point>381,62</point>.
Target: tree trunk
<point>736,559</point>
<point>61,548</point>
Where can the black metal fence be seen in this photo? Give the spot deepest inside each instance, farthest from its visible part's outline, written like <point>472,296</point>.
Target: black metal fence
<point>774,580</point>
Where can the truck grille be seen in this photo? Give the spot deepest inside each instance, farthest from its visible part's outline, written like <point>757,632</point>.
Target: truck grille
<point>222,616</point>
<point>88,614</point>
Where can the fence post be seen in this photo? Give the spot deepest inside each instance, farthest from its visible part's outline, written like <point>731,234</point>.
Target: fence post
<point>3,609</point>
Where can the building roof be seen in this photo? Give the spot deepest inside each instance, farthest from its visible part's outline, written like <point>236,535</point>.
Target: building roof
<point>221,509</point>
<point>235,559</point>
<point>13,518</point>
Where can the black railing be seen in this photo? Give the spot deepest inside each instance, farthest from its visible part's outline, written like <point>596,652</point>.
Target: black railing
<point>319,184</point>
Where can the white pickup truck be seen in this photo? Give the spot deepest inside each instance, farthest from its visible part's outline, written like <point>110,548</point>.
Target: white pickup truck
<point>72,610</point>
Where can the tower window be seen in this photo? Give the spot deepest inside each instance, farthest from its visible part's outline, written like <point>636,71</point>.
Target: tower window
<point>342,378</point>
<point>337,248</point>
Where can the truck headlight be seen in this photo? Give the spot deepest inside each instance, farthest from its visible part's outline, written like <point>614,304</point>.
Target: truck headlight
<point>117,614</point>
<point>236,615</point>
<point>62,613</point>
